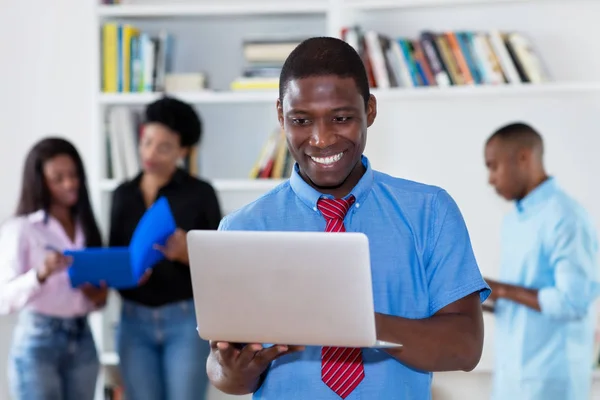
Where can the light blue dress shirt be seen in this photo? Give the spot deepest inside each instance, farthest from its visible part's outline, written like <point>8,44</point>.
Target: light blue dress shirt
<point>549,244</point>
<point>421,260</point>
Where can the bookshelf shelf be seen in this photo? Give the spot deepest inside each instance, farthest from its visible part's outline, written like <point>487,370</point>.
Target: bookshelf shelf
<point>399,4</point>
<point>430,92</point>
<point>221,185</point>
<point>433,92</point>
<point>210,97</point>
<point>212,9</point>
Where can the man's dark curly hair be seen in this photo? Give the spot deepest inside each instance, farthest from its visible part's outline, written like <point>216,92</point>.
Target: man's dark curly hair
<point>178,116</point>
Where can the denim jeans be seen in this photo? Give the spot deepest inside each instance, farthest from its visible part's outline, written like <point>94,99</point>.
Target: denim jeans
<point>52,359</point>
<point>161,355</point>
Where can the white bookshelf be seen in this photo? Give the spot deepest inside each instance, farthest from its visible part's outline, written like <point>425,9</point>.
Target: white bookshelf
<point>427,134</point>
<point>269,97</point>
<point>206,97</point>
<point>209,8</point>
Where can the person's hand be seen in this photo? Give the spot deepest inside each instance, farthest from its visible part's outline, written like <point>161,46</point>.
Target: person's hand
<point>245,365</point>
<point>53,263</point>
<point>97,295</point>
<point>145,276</point>
<point>498,289</point>
<point>488,308</point>
<point>175,249</point>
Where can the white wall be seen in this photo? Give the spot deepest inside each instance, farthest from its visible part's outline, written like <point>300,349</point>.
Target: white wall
<point>46,89</point>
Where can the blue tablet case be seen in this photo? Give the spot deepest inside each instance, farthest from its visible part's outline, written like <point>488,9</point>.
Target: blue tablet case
<point>122,267</point>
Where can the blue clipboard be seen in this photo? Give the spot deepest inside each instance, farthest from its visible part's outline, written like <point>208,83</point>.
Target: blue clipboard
<point>96,265</point>
<point>123,267</point>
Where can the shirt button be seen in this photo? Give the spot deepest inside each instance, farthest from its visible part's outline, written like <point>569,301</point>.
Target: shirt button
<point>315,208</point>
<point>357,205</point>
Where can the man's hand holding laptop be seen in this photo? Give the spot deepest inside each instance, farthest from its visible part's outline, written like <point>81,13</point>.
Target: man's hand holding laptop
<point>237,369</point>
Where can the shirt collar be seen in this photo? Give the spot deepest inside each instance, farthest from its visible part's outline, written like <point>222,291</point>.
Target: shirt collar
<point>310,195</point>
<point>538,195</point>
<point>38,216</point>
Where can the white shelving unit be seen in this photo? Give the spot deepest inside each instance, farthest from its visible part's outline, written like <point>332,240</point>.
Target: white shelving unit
<point>216,9</point>
<point>434,92</point>
<point>429,134</point>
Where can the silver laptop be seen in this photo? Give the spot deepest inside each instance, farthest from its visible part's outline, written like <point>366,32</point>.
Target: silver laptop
<point>294,288</point>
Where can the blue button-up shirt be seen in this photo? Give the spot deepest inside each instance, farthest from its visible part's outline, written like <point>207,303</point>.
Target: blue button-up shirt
<point>421,260</point>
<point>549,244</point>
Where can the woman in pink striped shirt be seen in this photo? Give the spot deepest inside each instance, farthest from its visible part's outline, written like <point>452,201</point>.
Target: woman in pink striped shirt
<point>53,355</point>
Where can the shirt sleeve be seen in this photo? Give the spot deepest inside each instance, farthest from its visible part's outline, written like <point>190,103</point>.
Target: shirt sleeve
<point>572,259</point>
<point>18,282</point>
<point>452,271</point>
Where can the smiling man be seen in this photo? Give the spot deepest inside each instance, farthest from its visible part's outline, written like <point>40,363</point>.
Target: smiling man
<point>426,283</point>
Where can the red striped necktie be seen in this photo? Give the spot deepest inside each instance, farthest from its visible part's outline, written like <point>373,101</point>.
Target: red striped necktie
<point>341,368</point>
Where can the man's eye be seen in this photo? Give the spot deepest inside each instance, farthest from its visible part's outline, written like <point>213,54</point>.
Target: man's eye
<point>342,119</point>
<point>300,121</point>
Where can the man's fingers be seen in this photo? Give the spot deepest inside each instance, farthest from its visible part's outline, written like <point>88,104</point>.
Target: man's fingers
<point>248,353</point>
<point>269,354</point>
<point>226,352</point>
<point>294,349</point>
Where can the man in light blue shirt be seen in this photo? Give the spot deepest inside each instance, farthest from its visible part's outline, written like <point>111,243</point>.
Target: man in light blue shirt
<point>427,286</point>
<point>544,306</point>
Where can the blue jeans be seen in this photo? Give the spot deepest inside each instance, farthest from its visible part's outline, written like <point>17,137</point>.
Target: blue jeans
<point>161,355</point>
<point>52,359</point>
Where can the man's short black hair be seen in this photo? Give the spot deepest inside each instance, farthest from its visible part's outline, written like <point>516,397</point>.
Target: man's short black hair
<point>319,56</point>
<point>178,116</point>
<point>520,134</point>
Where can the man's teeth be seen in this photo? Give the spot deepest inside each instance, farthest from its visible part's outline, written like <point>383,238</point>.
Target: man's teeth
<point>328,160</point>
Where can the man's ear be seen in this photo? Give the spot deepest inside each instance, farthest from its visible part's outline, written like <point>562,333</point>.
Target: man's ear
<point>524,156</point>
<point>371,110</point>
<point>279,107</point>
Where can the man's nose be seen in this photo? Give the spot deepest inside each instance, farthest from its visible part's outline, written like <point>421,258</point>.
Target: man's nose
<point>322,135</point>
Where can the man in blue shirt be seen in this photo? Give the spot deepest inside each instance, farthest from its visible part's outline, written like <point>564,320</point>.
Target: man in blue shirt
<point>544,305</point>
<point>426,283</point>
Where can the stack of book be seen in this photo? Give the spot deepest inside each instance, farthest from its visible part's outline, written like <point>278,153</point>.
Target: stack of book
<point>263,61</point>
<point>275,161</point>
<point>132,60</point>
<point>447,58</point>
